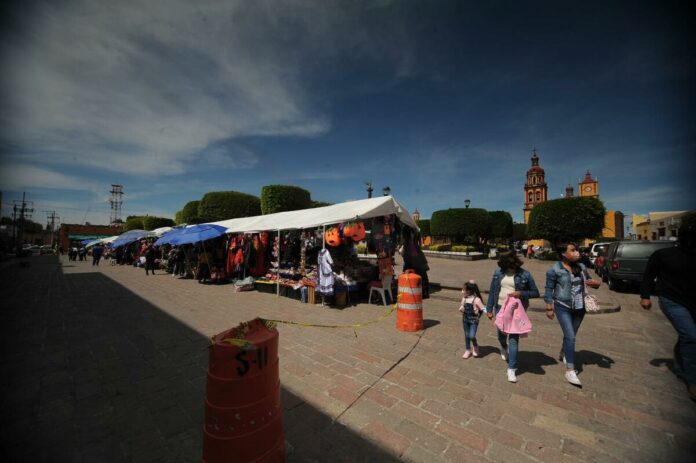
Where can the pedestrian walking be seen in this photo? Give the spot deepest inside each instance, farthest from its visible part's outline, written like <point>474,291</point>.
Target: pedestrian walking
<point>564,294</point>
<point>149,254</point>
<point>510,279</point>
<point>671,273</point>
<point>530,251</point>
<point>471,309</point>
<point>97,252</point>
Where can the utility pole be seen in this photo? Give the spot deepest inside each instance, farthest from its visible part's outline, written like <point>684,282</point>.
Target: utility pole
<point>51,215</point>
<point>24,213</point>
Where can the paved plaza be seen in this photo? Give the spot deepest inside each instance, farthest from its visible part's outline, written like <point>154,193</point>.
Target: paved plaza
<point>106,364</point>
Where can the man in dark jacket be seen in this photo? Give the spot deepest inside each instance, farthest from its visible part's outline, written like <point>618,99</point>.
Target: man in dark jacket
<point>670,274</point>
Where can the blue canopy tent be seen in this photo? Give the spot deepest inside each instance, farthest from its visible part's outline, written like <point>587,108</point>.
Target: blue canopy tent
<point>196,233</point>
<point>130,237</point>
<point>167,237</point>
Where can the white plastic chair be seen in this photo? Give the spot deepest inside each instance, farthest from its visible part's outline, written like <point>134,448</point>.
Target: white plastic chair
<point>386,287</point>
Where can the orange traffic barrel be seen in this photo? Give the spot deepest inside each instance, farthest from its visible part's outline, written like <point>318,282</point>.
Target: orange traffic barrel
<point>409,306</point>
<point>243,421</point>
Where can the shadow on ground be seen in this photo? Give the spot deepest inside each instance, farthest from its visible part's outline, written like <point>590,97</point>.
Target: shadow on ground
<point>587,357</point>
<point>93,372</point>
<point>533,362</point>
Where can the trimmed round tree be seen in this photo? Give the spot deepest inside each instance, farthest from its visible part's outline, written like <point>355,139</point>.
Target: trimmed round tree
<point>461,225</point>
<point>152,223</point>
<point>281,198</point>
<point>189,214</point>
<point>424,226</point>
<point>567,219</point>
<point>501,225</point>
<point>519,232</point>
<point>134,222</point>
<point>320,204</point>
<point>223,205</point>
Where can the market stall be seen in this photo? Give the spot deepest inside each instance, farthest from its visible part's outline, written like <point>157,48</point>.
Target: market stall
<point>313,251</point>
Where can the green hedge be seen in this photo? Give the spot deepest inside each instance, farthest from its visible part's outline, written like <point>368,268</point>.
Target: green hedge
<point>424,226</point>
<point>519,232</point>
<point>501,225</point>
<point>134,222</point>
<point>567,219</point>
<point>461,225</point>
<point>189,214</point>
<point>320,204</point>
<point>152,223</point>
<point>223,205</point>
<point>280,198</point>
<point>461,248</point>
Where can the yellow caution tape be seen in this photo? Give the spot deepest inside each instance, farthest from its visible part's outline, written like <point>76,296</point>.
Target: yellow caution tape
<point>271,324</point>
<point>353,325</point>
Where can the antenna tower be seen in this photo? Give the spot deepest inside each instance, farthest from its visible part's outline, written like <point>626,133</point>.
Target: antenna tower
<point>116,201</point>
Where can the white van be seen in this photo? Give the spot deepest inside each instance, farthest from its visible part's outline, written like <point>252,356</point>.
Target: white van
<point>594,250</point>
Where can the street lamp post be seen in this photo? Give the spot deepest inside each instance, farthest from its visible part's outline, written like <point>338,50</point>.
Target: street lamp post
<point>369,189</point>
<point>467,202</point>
<point>385,191</point>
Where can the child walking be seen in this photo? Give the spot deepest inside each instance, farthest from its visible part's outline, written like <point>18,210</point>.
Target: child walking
<point>471,308</point>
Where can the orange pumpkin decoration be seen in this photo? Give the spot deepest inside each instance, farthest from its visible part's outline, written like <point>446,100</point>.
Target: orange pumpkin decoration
<point>332,237</point>
<point>357,231</point>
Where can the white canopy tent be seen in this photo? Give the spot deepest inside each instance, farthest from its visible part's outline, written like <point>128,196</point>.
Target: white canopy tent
<point>161,231</point>
<point>108,240</point>
<point>317,217</point>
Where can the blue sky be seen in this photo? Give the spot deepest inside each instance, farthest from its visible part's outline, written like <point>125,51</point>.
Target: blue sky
<point>441,101</point>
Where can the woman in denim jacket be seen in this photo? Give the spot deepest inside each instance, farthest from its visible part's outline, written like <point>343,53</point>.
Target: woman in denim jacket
<point>564,295</point>
<point>510,280</point>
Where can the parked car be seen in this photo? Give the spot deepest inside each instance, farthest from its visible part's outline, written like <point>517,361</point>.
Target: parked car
<point>626,260</point>
<point>595,249</point>
<point>585,256</point>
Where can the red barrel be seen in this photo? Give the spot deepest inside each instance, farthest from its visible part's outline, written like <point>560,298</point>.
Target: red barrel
<point>409,313</point>
<point>243,421</point>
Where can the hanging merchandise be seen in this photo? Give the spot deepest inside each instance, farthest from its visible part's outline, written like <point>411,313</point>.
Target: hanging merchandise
<point>326,276</point>
<point>355,230</point>
<point>333,236</point>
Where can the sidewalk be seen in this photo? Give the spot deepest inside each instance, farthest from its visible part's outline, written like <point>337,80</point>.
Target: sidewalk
<point>106,364</point>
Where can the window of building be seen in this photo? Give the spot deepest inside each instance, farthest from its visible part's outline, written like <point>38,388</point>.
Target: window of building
<point>538,196</point>
<point>661,232</point>
<point>673,233</point>
<point>530,196</point>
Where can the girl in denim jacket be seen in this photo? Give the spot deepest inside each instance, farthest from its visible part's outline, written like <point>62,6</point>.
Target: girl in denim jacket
<point>564,294</point>
<point>510,279</point>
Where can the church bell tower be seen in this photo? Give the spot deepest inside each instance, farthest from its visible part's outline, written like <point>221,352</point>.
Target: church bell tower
<point>535,189</point>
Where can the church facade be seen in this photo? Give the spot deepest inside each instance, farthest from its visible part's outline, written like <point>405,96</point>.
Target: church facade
<point>536,192</point>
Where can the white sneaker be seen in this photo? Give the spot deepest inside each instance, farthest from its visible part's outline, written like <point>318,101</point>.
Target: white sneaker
<point>572,377</point>
<point>511,375</point>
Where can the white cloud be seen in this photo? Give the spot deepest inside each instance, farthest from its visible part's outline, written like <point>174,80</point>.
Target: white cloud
<point>19,177</point>
<point>136,87</point>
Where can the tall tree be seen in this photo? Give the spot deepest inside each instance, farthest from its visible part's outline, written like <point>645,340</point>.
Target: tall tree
<point>280,198</point>
<point>501,225</point>
<point>567,219</point>
<point>223,205</point>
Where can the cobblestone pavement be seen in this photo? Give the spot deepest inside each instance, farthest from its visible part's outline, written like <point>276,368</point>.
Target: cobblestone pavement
<point>107,365</point>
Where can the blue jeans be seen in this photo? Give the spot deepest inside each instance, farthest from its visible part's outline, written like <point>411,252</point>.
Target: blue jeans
<point>570,320</point>
<point>685,349</point>
<point>510,342</point>
<point>470,326</point>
